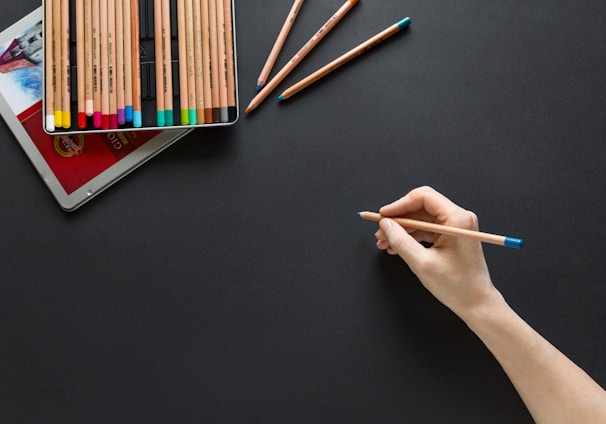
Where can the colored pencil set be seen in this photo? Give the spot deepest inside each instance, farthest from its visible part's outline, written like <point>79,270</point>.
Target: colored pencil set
<point>120,64</point>
<point>265,87</point>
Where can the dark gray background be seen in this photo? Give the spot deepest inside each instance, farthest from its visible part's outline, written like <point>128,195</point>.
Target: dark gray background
<point>230,280</point>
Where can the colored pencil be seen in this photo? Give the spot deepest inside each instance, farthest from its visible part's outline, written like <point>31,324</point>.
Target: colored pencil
<point>57,65</point>
<point>120,84</point>
<point>97,64</point>
<point>167,63</point>
<point>231,61</point>
<point>214,58</point>
<point>111,48</point>
<point>446,230</point>
<point>49,67</point>
<point>65,56</point>
<point>198,10</point>
<point>80,70</point>
<point>222,61</point>
<point>206,64</point>
<point>160,115</point>
<point>190,46</point>
<point>88,57</point>
<point>128,64</point>
<point>298,57</point>
<point>183,81</point>
<point>136,64</point>
<point>104,68</point>
<point>361,48</point>
<point>277,47</point>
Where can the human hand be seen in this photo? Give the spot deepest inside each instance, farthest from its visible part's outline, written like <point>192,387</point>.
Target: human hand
<point>453,269</point>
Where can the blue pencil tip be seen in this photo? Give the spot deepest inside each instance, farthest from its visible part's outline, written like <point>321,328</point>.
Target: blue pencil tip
<point>259,87</point>
<point>280,98</point>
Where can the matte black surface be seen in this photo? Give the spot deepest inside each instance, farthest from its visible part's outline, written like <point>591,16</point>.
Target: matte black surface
<point>230,280</point>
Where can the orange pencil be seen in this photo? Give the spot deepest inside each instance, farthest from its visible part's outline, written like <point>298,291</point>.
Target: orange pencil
<point>49,67</point>
<point>340,61</point>
<point>275,51</point>
<point>298,57</point>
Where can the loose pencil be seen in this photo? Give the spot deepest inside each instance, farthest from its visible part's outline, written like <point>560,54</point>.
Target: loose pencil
<point>96,64</point>
<point>325,70</point>
<point>120,84</point>
<point>191,71</point>
<point>80,70</point>
<point>66,109</point>
<point>57,65</point>
<point>182,34</point>
<point>222,61</point>
<point>304,51</point>
<point>88,57</point>
<point>231,62</point>
<point>49,67</point>
<point>160,115</point>
<point>214,58</point>
<point>446,230</point>
<point>167,63</point>
<point>136,64</point>
<point>206,64</point>
<point>275,51</point>
<point>128,64</point>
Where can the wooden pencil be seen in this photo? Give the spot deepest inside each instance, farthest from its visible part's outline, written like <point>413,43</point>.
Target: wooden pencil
<point>206,63</point>
<point>340,61</point>
<point>111,48</point>
<point>57,64</point>
<point>104,64</point>
<point>222,60</point>
<point>96,53</point>
<point>128,63</point>
<point>231,61</point>
<point>66,73</point>
<point>190,46</point>
<point>279,43</point>
<point>80,70</point>
<point>49,67</point>
<point>88,58</point>
<point>446,230</point>
<point>199,51</point>
<point>298,57</point>
<point>182,37</point>
<point>120,84</point>
<point>167,63</point>
<point>214,58</point>
<point>136,64</point>
<point>160,115</point>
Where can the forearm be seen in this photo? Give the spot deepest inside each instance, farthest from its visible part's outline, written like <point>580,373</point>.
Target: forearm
<point>553,388</point>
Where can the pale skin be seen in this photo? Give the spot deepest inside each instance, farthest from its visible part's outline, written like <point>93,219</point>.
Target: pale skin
<point>553,388</point>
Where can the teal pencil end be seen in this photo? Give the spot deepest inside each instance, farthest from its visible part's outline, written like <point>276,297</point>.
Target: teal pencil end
<point>168,119</point>
<point>280,98</point>
<point>137,119</point>
<point>404,23</point>
<point>160,118</point>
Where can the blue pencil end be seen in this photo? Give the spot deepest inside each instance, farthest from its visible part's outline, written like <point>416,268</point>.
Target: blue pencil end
<point>128,113</point>
<point>137,119</point>
<point>404,23</point>
<point>513,242</point>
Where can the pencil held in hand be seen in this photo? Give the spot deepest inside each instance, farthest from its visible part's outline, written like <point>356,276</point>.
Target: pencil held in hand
<point>446,230</point>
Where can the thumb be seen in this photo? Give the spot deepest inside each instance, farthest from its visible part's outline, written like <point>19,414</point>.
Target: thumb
<point>401,242</point>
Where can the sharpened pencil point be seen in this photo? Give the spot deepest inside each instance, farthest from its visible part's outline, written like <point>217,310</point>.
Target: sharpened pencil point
<point>259,87</point>
<point>280,98</point>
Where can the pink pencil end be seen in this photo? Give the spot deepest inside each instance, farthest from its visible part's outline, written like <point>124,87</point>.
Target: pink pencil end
<point>97,119</point>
